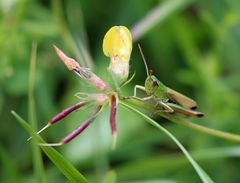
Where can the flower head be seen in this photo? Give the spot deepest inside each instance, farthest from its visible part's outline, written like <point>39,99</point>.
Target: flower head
<point>117,45</point>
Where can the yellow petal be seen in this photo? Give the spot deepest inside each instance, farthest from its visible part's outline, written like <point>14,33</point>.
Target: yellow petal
<point>117,43</point>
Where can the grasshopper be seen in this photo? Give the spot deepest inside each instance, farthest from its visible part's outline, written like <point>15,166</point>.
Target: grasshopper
<point>168,99</point>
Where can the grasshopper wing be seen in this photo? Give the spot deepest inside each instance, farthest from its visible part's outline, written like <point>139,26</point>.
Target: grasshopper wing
<point>185,112</point>
<point>181,99</point>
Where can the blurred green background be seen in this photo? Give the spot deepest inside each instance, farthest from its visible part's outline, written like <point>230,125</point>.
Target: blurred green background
<point>193,47</point>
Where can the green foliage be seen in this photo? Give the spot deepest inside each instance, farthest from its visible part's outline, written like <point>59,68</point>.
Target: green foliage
<point>192,46</point>
<point>204,177</point>
<point>62,164</point>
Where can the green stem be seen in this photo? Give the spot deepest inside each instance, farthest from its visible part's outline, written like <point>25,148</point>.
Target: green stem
<point>185,122</point>
<point>157,15</point>
<point>210,131</point>
<point>37,157</point>
<point>65,167</point>
<point>202,174</point>
<point>83,56</point>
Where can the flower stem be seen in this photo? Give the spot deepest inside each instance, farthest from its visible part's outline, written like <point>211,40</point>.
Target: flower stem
<point>177,119</point>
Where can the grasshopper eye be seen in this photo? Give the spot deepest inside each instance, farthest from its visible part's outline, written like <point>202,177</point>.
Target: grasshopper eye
<point>154,83</point>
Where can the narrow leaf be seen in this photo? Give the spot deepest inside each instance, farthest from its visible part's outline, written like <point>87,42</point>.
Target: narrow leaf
<point>37,157</point>
<point>67,169</point>
<point>157,15</point>
<point>202,174</point>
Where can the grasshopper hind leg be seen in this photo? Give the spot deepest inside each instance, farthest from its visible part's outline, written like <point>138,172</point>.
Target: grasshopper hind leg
<point>166,108</point>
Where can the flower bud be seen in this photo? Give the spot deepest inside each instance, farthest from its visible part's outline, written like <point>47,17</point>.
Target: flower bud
<point>85,73</point>
<point>117,45</point>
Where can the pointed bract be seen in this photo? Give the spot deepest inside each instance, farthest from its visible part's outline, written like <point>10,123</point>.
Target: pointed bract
<point>69,62</point>
<point>85,73</point>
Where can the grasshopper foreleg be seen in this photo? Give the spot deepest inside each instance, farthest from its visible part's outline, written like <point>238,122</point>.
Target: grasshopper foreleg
<point>139,87</point>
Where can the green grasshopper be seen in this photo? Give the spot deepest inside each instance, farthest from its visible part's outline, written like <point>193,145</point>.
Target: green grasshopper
<point>168,99</point>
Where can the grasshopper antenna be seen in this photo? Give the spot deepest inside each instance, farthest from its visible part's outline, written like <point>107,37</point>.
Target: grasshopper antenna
<point>144,60</point>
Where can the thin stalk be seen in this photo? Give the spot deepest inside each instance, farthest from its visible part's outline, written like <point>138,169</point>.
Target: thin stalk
<point>185,122</point>
<point>202,174</point>
<point>157,15</point>
<point>64,166</point>
<point>82,53</point>
<point>58,17</point>
<point>152,164</point>
<point>38,165</point>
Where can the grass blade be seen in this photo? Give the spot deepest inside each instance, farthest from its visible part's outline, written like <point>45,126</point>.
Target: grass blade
<point>79,49</point>
<point>67,169</point>
<point>152,164</point>
<point>202,174</point>
<point>37,158</point>
<point>187,123</point>
<point>158,14</point>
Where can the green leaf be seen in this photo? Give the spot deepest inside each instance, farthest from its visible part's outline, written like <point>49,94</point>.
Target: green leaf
<point>202,174</point>
<point>187,123</point>
<point>157,15</point>
<point>67,169</point>
<point>152,164</point>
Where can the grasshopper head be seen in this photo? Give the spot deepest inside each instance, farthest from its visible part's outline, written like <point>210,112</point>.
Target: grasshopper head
<point>151,83</point>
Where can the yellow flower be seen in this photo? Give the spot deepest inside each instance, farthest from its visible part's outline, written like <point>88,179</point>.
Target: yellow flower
<point>117,45</point>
